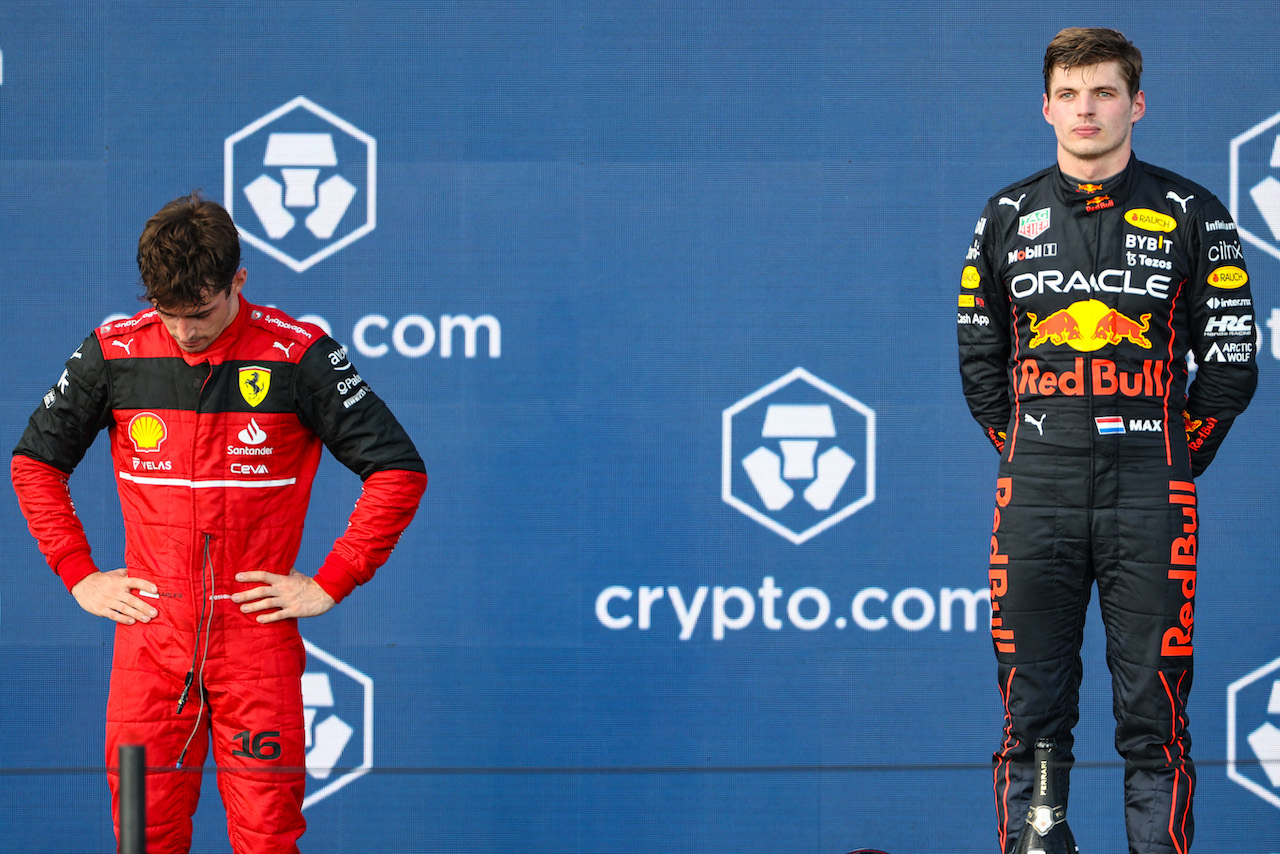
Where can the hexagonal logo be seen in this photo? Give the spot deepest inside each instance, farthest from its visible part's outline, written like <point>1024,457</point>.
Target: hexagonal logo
<point>798,456</point>
<point>1255,185</point>
<point>1253,710</point>
<point>301,183</point>
<point>337,701</point>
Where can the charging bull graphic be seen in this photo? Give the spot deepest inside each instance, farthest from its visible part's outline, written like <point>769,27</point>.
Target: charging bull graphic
<point>1089,325</point>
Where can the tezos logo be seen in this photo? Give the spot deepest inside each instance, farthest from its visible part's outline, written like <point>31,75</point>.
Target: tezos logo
<point>337,700</point>
<point>1255,185</point>
<point>300,183</point>
<point>798,432</point>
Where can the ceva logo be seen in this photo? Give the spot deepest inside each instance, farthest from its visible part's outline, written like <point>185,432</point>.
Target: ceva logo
<point>1255,174</point>
<point>300,183</point>
<point>1253,708</point>
<point>337,701</point>
<point>798,456</point>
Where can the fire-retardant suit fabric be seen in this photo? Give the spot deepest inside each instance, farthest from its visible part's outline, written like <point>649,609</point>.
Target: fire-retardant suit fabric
<point>214,455</point>
<point>1078,305</point>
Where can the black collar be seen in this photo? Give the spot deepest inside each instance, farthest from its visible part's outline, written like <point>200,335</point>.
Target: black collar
<point>1084,197</point>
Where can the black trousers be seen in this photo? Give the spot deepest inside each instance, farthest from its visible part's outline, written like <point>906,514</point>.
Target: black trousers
<point>1063,523</point>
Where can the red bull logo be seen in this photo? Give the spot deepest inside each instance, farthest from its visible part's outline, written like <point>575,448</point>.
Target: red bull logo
<point>1089,325</point>
<point>1099,203</point>
<point>1102,379</point>
<point>1088,188</point>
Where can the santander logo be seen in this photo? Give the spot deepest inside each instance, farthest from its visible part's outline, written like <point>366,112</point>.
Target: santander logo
<point>253,434</point>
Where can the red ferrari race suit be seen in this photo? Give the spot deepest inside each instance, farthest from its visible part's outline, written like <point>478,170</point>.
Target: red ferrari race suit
<point>1077,309</point>
<point>214,455</point>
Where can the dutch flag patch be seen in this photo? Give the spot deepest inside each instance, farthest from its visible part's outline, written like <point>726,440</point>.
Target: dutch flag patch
<point>1109,425</point>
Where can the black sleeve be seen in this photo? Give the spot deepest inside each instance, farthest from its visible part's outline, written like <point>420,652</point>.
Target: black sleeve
<point>72,413</point>
<point>354,423</point>
<point>1222,316</point>
<point>983,334</point>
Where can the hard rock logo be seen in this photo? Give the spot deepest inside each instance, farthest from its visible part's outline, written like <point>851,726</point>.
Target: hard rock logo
<point>147,431</point>
<point>1089,325</point>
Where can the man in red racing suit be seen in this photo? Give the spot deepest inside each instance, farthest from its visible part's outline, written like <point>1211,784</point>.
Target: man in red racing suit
<point>216,411</point>
<point>1086,286</point>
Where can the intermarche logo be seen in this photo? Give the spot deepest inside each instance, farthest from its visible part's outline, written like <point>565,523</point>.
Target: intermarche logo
<point>337,701</point>
<point>1253,732</point>
<point>1255,185</point>
<point>798,456</point>
<point>301,183</point>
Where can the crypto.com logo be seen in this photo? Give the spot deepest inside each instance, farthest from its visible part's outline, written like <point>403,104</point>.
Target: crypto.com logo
<point>1253,706</point>
<point>798,433</point>
<point>1255,169</point>
<point>337,700</point>
<point>307,179</point>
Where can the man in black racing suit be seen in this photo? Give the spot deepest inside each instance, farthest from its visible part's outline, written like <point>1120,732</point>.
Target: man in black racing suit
<point>1085,288</point>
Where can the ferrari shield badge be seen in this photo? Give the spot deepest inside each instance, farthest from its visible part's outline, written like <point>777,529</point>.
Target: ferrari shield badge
<point>254,382</point>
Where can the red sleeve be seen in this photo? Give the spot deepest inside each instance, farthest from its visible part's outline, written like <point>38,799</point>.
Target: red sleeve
<point>51,517</point>
<point>384,510</point>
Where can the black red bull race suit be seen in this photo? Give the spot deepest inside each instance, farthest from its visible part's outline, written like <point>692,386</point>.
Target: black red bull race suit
<point>1078,306</point>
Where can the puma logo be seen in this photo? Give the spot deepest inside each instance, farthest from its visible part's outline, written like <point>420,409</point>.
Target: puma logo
<point>1038,423</point>
<point>282,347</point>
<point>1181,201</point>
<point>1017,206</point>
<point>125,345</point>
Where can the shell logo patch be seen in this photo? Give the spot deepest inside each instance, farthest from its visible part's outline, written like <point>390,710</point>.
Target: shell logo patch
<point>147,431</point>
<point>254,383</point>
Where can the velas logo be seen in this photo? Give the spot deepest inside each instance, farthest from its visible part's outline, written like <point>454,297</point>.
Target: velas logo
<point>1150,220</point>
<point>1088,325</point>
<point>798,456</point>
<point>255,381</point>
<point>300,183</point>
<point>147,431</point>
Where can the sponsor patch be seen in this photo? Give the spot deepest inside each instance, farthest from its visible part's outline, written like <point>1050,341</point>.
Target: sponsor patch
<point>1034,224</point>
<point>1149,220</point>
<point>254,384</point>
<point>1109,425</point>
<point>147,431</point>
<point>1228,278</point>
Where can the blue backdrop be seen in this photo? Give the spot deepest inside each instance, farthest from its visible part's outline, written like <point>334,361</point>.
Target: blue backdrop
<point>664,292</point>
